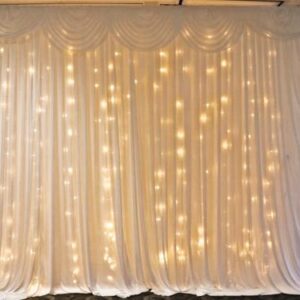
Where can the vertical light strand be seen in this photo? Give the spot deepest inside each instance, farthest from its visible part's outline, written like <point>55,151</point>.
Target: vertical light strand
<point>205,123</point>
<point>209,120</point>
<point>233,159</point>
<point>93,122</point>
<point>272,163</point>
<point>37,186</point>
<point>245,137</point>
<point>257,198</point>
<point>83,78</point>
<point>71,198</point>
<point>109,195</point>
<point>162,56</point>
<point>195,222</point>
<point>250,164</point>
<point>119,161</point>
<point>265,183</point>
<point>46,146</point>
<point>184,71</point>
<point>205,104</point>
<point>226,103</point>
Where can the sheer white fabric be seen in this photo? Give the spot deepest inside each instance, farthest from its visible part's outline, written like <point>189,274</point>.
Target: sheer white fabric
<point>149,149</point>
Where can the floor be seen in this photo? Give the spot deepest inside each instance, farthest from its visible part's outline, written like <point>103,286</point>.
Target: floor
<point>150,296</point>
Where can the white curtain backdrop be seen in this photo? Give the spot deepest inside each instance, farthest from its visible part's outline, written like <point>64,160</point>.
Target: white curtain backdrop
<point>149,148</point>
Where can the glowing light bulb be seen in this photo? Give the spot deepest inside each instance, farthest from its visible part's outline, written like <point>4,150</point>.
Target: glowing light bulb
<point>103,104</point>
<point>109,225</point>
<point>75,258</point>
<point>266,101</point>
<point>179,52</point>
<point>224,99</point>
<point>155,86</point>
<point>71,81</point>
<point>271,215</point>
<point>160,173</point>
<point>71,100</point>
<point>163,70</point>
<point>31,70</point>
<point>185,68</point>
<point>180,134</point>
<point>70,67</point>
<point>271,168</point>
<point>181,219</point>
<point>161,257</point>
<point>161,207</point>
<point>105,149</point>
<point>224,63</point>
<point>254,199</point>
<point>110,67</point>
<point>70,132</point>
<point>180,152</point>
<point>179,104</point>
<point>106,184</point>
<point>201,242</point>
<point>210,70</point>
<point>203,118</point>
<point>225,145</point>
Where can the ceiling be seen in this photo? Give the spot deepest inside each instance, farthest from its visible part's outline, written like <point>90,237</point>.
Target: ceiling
<point>158,2</point>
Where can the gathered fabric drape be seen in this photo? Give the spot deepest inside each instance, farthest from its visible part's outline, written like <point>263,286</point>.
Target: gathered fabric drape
<point>149,148</point>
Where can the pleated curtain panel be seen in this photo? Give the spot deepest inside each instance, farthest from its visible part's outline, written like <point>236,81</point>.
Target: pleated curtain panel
<point>149,149</point>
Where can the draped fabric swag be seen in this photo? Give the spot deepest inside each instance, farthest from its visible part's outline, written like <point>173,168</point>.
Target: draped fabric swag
<point>149,148</point>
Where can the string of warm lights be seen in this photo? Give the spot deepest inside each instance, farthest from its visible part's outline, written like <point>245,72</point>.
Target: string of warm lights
<point>136,169</point>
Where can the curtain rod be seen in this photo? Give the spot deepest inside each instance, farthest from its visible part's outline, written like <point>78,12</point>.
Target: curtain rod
<point>129,3</point>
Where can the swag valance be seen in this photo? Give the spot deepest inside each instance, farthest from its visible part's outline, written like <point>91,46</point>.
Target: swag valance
<point>209,29</point>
